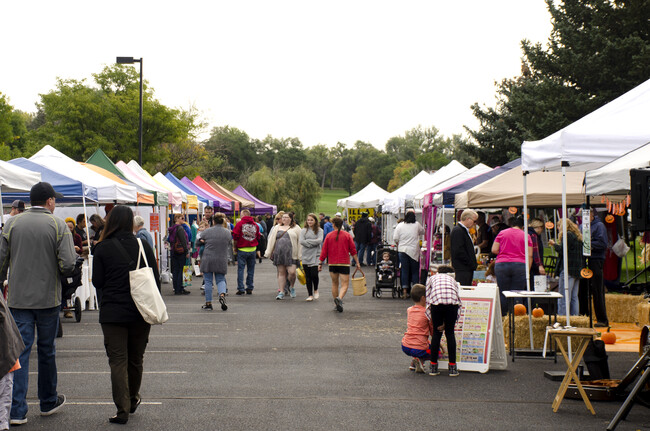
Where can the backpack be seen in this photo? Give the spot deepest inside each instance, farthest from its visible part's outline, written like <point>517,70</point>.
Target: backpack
<point>179,247</point>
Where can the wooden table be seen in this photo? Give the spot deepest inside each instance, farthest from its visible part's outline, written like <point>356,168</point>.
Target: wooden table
<point>584,335</point>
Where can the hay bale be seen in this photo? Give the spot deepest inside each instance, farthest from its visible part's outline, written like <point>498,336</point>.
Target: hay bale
<point>622,308</point>
<point>522,335</point>
<point>643,314</point>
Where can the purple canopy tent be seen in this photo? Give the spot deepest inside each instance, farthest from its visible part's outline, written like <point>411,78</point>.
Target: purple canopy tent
<point>260,207</point>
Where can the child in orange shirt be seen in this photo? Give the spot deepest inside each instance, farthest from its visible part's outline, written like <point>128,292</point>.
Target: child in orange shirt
<point>11,346</point>
<point>415,342</point>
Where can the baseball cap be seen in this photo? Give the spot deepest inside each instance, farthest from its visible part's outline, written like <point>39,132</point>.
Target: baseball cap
<point>337,214</point>
<point>20,205</point>
<point>371,219</point>
<point>42,191</point>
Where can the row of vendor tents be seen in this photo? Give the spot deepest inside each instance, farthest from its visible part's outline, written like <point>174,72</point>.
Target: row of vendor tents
<point>99,180</point>
<point>597,153</point>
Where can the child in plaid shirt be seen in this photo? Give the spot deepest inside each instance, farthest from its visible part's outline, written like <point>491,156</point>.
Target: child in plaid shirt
<point>415,342</point>
<point>443,300</point>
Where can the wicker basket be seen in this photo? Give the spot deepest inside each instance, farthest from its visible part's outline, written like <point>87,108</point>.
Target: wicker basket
<point>359,283</point>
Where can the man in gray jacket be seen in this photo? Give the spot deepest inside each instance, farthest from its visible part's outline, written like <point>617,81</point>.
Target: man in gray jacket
<point>36,247</point>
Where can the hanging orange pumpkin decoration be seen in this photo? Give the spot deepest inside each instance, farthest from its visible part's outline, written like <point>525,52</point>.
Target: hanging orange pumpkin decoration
<point>520,310</point>
<point>609,219</point>
<point>538,312</point>
<point>549,225</point>
<point>608,337</point>
<point>512,210</point>
<point>586,273</point>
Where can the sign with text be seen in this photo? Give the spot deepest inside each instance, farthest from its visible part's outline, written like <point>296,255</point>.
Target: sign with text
<point>154,222</point>
<point>354,214</point>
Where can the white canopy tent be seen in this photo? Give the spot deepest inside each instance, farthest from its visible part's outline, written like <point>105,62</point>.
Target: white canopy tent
<point>107,189</point>
<point>598,138</point>
<point>175,196</point>
<point>394,201</point>
<point>368,197</point>
<point>614,177</point>
<point>457,179</point>
<point>15,179</point>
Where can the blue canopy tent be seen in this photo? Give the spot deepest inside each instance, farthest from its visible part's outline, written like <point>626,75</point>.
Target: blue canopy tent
<point>73,191</point>
<point>185,189</point>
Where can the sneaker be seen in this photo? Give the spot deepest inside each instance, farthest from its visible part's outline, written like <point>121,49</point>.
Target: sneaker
<point>339,304</point>
<point>601,325</point>
<point>203,287</point>
<point>185,292</point>
<point>280,295</point>
<point>412,366</point>
<point>293,292</point>
<point>249,291</point>
<point>222,301</point>
<point>22,421</point>
<point>433,370</point>
<point>309,298</point>
<point>316,294</point>
<point>60,401</point>
<point>240,292</point>
<point>207,306</point>
<point>67,314</point>
<point>419,366</point>
<point>453,371</point>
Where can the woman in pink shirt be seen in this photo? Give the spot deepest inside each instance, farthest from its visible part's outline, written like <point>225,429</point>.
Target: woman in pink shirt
<point>510,267</point>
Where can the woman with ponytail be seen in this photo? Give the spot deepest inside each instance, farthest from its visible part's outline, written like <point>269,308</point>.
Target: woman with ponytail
<point>337,249</point>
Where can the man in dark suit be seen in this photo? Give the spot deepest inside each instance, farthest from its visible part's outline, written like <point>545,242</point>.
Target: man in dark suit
<point>463,258</point>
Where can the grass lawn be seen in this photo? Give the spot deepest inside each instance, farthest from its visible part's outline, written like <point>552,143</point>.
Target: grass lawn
<point>328,200</point>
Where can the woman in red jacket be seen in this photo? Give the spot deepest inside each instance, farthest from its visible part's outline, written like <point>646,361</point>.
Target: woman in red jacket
<point>337,249</point>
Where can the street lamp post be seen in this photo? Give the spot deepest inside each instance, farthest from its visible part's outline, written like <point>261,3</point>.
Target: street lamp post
<point>131,60</point>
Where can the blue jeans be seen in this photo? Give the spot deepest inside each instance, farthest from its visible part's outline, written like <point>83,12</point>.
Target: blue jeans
<point>574,303</point>
<point>45,324</point>
<point>510,276</point>
<point>245,258</point>
<point>178,262</point>
<point>409,269</point>
<point>416,353</point>
<point>219,279</point>
<point>372,254</point>
<point>361,250</point>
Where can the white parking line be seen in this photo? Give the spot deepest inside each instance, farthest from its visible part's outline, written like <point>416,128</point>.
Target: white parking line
<point>148,351</point>
<point>108,372</point>
<point>96,403</point>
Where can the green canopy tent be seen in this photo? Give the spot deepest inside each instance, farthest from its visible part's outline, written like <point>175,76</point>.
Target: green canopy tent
<point>99,158</point>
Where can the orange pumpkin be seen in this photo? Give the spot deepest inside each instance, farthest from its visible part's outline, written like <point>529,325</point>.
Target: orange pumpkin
<point>538,312</point>
<point>586,273</point>
<point>549,225</point>
<point>512,210</point>
<point>520,310</point>
<point>608,337</point>
<point>609,218</point>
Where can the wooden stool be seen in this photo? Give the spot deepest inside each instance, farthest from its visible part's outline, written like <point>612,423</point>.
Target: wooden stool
<point>584,335</point>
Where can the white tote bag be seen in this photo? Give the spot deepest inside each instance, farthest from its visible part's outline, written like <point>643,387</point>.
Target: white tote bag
<point>145,293</point>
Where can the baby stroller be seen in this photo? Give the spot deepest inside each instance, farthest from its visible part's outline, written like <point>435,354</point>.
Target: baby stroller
<point>386,273</point>
<point>69,284</point>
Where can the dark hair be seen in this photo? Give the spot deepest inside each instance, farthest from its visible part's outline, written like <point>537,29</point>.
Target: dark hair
<point>518,222</point>
<point>337,222</point>
<point>409,217</point>
<point>316,226</point>
<point>445,269</point>
<point>291,215</point>
<point>208,208</point>
<point>80,218</point>
<point>217,219</point>
<point>417,292</point>
<point>120,219</point>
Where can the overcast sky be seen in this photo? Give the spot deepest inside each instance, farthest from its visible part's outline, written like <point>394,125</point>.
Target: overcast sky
<point>323,72</point>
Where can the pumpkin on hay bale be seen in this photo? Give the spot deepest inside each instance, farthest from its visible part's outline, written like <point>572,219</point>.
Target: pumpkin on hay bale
<point>522,335</point>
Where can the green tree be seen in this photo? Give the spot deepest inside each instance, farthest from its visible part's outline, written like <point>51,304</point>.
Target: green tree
<point>403,172</point>
<point>597,50</point>
<point>13,128</point>
<point>232,153</point>
<point>77,119</point>
<point>285,153</point>
<point>320,161</point>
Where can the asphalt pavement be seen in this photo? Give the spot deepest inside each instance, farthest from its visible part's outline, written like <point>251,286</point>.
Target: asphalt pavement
<point>266,364</point>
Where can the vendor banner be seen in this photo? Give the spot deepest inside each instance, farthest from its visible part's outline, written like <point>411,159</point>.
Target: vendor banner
<point>354,214</point>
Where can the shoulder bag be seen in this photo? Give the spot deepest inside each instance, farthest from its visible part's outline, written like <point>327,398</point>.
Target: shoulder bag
<point>144,289</point>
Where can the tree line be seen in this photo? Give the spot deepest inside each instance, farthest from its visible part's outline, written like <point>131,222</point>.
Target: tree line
<point>597,50</point>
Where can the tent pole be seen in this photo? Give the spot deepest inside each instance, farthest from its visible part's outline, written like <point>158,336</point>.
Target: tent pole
<point>565,256</point>
<point>527,256</point>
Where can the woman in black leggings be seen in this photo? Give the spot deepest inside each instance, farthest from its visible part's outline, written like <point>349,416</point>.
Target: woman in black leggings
<point>444,301</point>
<point>311,240</point>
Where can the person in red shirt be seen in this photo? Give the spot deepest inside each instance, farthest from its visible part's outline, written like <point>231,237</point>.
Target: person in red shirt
<point>246,236</point>
<point>337,249</point>
<point>415,342</point>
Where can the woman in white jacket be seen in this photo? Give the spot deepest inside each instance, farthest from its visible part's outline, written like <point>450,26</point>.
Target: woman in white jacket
<point>284,250</point>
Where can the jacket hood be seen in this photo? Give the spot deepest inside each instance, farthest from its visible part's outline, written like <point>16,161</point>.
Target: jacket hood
<point>248,219</point>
